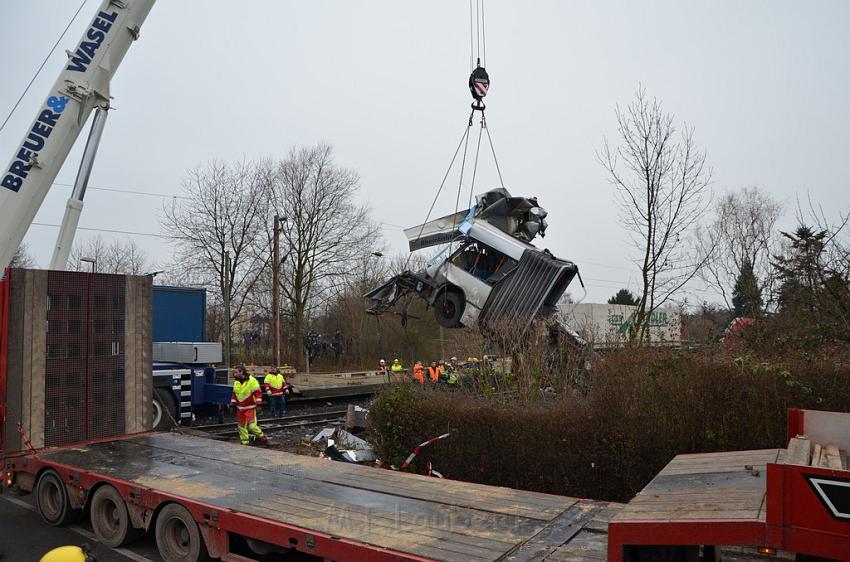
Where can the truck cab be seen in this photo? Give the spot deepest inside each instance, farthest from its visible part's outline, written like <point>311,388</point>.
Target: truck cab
<point>489,272</point>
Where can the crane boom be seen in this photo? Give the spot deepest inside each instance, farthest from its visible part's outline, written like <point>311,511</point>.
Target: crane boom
<point>82,86</point>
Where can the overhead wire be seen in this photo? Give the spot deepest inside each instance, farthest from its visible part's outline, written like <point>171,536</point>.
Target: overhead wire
<point>110,230</point>
<point>128,191</point>
<point>41,67</point>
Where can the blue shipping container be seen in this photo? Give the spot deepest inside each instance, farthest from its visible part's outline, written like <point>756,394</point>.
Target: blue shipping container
<point>179,314</point>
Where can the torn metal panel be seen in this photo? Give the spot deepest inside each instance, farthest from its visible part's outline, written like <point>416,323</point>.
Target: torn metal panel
<point>438,231</point>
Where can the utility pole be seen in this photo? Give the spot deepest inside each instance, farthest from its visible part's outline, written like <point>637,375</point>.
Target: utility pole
<point>276,290</point>
<point>226,295</point>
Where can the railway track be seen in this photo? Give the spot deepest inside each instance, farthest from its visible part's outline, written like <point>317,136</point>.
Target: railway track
<point>278,424</point>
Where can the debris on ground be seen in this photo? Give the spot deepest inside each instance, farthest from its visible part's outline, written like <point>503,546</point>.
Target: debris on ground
<point>324,434</point>
<point>355,419</point>
<point>344,446</point>
<point>348,440</point>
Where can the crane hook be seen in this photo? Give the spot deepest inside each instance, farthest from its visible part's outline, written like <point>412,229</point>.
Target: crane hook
<point>479,84</point>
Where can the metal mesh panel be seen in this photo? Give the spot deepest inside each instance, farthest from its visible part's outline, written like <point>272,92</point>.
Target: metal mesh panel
<point>65,364</point>
<point>84,367</point>
<point>106,356</point>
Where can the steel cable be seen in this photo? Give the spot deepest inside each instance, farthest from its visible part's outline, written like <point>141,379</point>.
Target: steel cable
<point>37,72</point>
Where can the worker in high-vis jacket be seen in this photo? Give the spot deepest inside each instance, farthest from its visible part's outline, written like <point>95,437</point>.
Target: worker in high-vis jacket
<point>275,386</point>
<point>434,373</point>
<point>397,366</point>
<point>246,397</point>
<point>419,372</point>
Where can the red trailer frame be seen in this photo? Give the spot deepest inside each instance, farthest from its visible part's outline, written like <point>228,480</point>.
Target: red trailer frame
<point>806,509</point>
<point>807,506</point>
<point>216,524</point>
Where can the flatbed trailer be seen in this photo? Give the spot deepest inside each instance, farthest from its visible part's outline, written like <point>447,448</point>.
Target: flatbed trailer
<point>762,498</point>
<point>238,501</point>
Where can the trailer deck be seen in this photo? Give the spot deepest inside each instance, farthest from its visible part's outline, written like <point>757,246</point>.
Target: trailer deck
<point>318,506</point>
<point>710,498</point>
<point>738,498</point>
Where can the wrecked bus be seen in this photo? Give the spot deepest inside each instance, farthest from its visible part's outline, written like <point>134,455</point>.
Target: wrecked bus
<point>488,273</point>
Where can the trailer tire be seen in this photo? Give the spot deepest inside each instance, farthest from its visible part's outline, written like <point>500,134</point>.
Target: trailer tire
<point>178,537</point>
<point>448,309</point>
<point>110,519</point>
<point>163,403</point>
<point>52,499</point>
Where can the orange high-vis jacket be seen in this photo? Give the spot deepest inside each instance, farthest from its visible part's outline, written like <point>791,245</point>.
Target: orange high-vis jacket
<point>434,373</point>
<point>419,373</point>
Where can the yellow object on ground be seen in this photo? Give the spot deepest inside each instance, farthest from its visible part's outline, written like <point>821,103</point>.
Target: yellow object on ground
<point>67,554</point>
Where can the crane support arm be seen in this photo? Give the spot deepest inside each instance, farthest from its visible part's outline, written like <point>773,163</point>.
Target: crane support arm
<point>82,86</point>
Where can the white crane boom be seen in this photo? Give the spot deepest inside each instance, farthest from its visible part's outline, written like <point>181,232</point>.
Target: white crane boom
<point>82,86</point>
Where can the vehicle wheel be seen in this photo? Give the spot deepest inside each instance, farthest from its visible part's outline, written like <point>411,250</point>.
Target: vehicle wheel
<point>53,502</point>
<point>448,308</point>
<point>110,519</point>
<point>163,402</point>
<point>178,537</point>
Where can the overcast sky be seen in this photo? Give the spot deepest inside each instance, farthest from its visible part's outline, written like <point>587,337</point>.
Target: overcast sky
<point>764,84</point>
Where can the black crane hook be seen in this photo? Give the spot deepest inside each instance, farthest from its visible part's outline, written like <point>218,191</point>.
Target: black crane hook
<point>479,84</point>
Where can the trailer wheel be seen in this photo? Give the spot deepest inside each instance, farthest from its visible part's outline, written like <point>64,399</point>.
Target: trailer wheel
<point>178,537</point>
<point>163,403</point>
<point>52,500</point>
<point>448,308</point>
<point>110,519</point>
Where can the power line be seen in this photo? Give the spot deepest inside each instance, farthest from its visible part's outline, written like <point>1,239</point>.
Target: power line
<point>110,230</point>
<point>129,191</point>
<point>582,261</point>
<point>37,72</point>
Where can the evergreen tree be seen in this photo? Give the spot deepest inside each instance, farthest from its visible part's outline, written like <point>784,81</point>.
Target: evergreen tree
<point>801,270</point>
<point>624,296</point>
<point>746,295</point>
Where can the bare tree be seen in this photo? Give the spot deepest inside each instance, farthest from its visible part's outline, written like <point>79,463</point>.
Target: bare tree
<point>219,230</point>
<point>661,182</point>
<point>22,257</point>
<point>117,256</point>
<point>326,234</point>
<point>743,234</point>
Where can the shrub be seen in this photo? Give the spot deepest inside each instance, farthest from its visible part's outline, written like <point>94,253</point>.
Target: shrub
<point>643,407</point>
